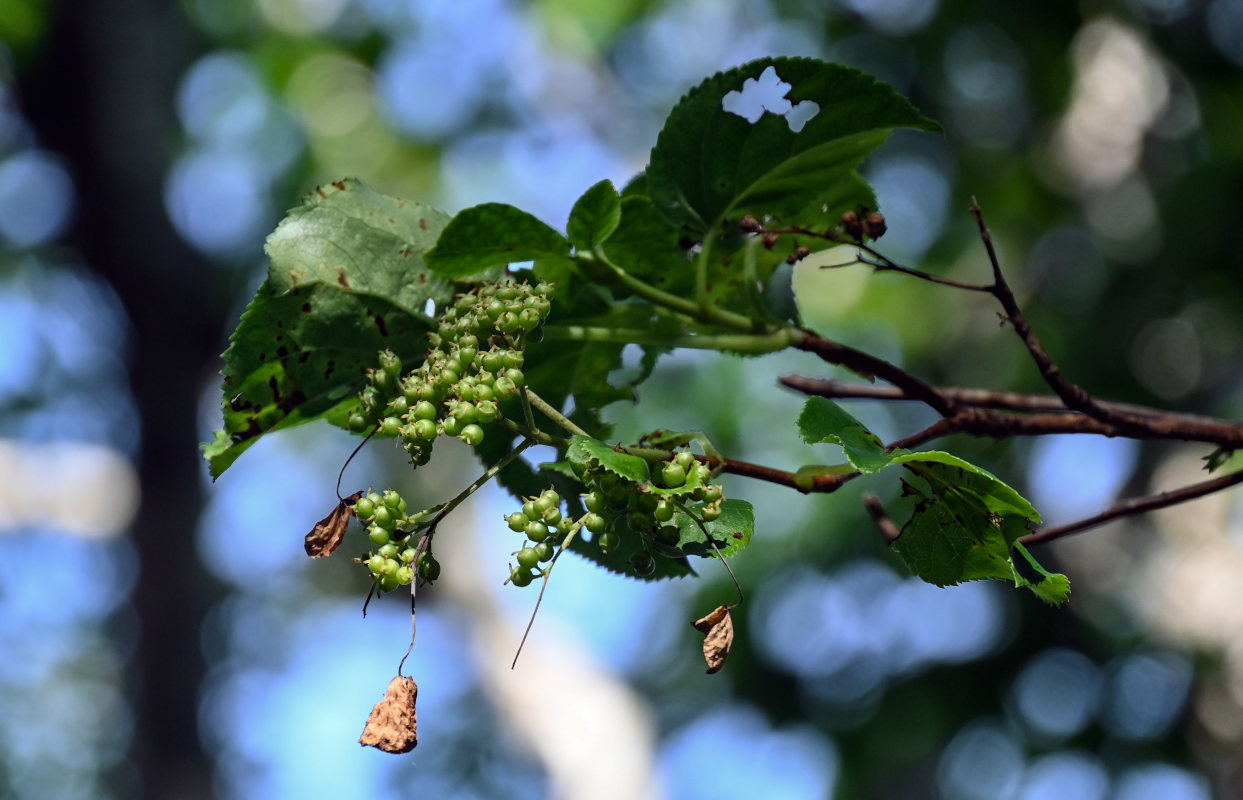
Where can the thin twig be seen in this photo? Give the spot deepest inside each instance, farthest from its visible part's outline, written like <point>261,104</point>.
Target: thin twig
<point>341,473</point>
<point>1075,397</point>
<point>866,364</point>
<point>1136,505</point>
<point>889,529</point>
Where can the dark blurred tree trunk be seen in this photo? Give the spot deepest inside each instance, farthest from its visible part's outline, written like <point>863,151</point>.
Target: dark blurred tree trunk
<point>101,95</point>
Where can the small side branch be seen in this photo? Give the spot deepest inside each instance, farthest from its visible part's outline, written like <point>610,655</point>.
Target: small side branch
<point>980,414</point>
<point>1075,397</point>
<point>1136,505</point>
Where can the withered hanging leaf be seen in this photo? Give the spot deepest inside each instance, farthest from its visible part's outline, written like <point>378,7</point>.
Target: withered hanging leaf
<point>718,628</point>
<point>393,726</point>
<point>327,534</point>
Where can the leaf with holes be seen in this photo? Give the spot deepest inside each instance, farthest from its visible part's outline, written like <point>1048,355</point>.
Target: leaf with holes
<point>711,162</point>
<point>346,280</point>
<point>730,532</point>
<point>586,454</point>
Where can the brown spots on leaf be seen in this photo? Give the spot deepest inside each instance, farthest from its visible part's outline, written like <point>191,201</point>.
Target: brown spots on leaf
<point>263,356</point>
<point>379,323</point>
<point>297,398</point>
<point>282,351</point>
<point>239,403</point>
<point>423,224</point>
<point>306,308</point>
<point>327,534</point>
<point>305,357</point>
<point>332,366</point>
<point>339,184</point>
<point>275,386</point>
<point>341,279</point>
<point>393,724</point>
<point>718,630</point>
<point>406,252</point>
<point>319,190</point>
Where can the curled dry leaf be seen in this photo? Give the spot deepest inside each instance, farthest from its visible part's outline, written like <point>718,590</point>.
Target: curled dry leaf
<point>393,726</point>
<point>327,534</point>
<point>718,630</point>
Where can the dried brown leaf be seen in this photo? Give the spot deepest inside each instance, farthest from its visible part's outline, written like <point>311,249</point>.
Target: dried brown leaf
<point>393,725</point>
<point>327,534</point>
<point>718,628</point>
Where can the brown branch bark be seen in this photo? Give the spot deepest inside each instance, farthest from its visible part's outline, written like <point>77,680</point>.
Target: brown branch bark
<point>981,413</point>
<point>1136,505</point>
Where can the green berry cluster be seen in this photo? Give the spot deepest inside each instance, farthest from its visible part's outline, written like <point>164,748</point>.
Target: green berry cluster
<point>393,562</point>
<point>618,508</point>
<point>474,364</point>
<point>541,521</point>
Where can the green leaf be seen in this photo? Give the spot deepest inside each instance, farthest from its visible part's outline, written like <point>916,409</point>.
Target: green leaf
<point>492,235</point>
<point>822,420</point>
<point>617,560</point>
<point>966,521</point>
<point>347,235</point>
<point>710,163</point>
<point>1051,587</point>
<point>595,216</point>
<point>300,354</point>
<point>648,247</point>
<point>730,532</point>
<point>587,453</point>
<point>346,280</point>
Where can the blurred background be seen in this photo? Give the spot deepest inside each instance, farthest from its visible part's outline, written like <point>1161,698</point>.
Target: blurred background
<point>162,636</point>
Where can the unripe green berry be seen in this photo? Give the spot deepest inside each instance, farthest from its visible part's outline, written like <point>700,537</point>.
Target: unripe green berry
<point>684,459</point>
<point>384,517</point>
<point>711,512</point>
<point>424,429</point>
<point>528,319</point>
<point>376,564</point>
<point>487,410</point>
<point>363,508</point>
<point>529,509</point>
<point>521,576</point>
<point>514,374</point>
<point>673,475</point>
<point>378,535</point>
<point>536,531</point>
<point>544,551</point>
<point>408,554</point>
<point>429,567</point>
<point>663,511</point>
<point>527,557</point>
<point>389,550</point>
<point>358,423</point>
<point>642,563</point>
<point>608,540</point>
<point>392,499</point>
<point>595,523</point>
<point>398,406</point>
<point>565,526</point>
<point>423,410</point>
<point>505,388</point>
<point>594,501</point>
<point>712,494</point>
<point>552,516</point>
<point>404,575</point>
<point>452,426</point>
<point>472,434</point>
<point>517,521</point>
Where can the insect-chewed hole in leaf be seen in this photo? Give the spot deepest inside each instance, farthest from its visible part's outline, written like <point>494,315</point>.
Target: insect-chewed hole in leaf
<point>768,93</point>
<point>718,630</point>
<point>393,725</point>
<point>327,534</point>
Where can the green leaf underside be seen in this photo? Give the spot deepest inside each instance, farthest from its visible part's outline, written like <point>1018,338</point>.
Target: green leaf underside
<point>348,235</point>
<point>595,216</point>
<point>297,355</point>
<point>710,164</point>
<point>730,532</point>
<point>966,521</point>
<point>586,453</point>
<point>492,235</point>
<point>822,420</point>
<point>346,280</point>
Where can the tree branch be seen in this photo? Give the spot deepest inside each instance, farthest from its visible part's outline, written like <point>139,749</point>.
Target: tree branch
<point>979,415</point>
<point>1136,505</point>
